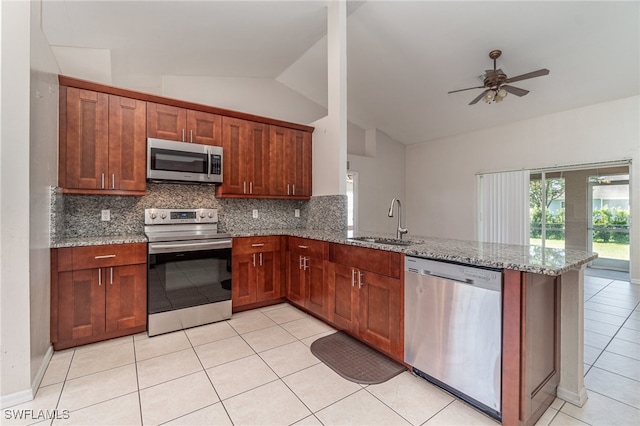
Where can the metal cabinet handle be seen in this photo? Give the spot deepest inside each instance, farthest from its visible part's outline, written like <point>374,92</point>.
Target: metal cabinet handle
<point>299,262</point>
<point>303,247</point>
<point>113,181</point>
<point>294,189</point>
<point>99,276</point>
<point>191,135</point>
<point>244,187</point>
<point>254,259</point>
<point>305,267</point>
<point>182,135</point>
<point>111,275</point>
<point>360,275</point>
<point>288,189</point>
<point>102,187</point>
<point>260,259</point>
<point>353,277</point>
<point>106,256</point>
<point>250,187</point>
<point>257,245</point>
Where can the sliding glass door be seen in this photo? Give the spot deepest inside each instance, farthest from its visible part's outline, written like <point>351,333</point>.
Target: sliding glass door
<point>547,210</point>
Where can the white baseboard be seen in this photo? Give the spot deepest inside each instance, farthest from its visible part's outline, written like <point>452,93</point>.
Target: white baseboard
<point>28,394</point>
<point>576,398</point>
<point>635,281</point>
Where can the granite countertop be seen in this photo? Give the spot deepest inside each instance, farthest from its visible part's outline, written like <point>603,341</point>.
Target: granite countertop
<point>533,259</point>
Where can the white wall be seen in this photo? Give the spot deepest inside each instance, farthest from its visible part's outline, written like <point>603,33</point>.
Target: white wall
<point>441,177</point>
<point>43,173</point>
<point>259,96</point>
<point>15,372</point>
<point>380,179</point>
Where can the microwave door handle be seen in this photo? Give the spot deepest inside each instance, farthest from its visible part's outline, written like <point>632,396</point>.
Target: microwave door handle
<point>209,164</point>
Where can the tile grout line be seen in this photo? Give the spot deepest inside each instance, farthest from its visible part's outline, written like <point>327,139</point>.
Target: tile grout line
<point>135,360</point>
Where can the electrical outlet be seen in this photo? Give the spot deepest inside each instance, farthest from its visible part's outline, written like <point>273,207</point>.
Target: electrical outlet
<point>255,213</point>
<point>106,215</point>
<point>297,212</point>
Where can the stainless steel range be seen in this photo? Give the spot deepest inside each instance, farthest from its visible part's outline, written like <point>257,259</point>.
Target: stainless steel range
<point>189,269</point>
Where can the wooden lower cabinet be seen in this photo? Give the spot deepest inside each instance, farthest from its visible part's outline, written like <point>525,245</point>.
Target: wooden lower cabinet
<point>256,271</point>
<point>307,285</point>
<point>97,296</point>
<point>367,304</point>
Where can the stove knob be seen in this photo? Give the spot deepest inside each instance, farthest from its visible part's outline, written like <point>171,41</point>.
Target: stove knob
<point>153,215</point>
<point>210,214</point>
<point>202,214</point>
<point>163,215</point>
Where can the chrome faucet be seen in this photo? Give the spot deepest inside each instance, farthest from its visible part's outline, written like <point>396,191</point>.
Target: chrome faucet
<point>400,231</point>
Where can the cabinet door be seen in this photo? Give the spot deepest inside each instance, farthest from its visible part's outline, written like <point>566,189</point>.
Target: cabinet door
<point>166,122</point>
<point>343,297</point>
<point>316,289</point>
<point>84,150</point>
<point>243,281</point>
<point>380,316</point>
<point>299,155</point>
<point>81,303</point>
<point>278,161</point>
<point>295,278</point>
<point>246,156</point>
<point>127,144</point>
<point>126,299</point>
<point>268,275</point>
<point>204,128</point>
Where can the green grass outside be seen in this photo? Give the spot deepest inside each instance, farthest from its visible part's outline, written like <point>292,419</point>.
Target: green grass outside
<point>604,250</point>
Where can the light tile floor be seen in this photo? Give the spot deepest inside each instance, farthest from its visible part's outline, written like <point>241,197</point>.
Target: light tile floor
<point>256,368</point>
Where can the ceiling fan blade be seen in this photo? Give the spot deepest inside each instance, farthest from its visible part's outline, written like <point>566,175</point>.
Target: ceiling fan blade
<point>515,90</point>
<point>479,97</point>
<point>531,74</point>
<point>469,88</point>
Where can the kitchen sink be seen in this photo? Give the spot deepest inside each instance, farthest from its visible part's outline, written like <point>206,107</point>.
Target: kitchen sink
<point>388,241</point>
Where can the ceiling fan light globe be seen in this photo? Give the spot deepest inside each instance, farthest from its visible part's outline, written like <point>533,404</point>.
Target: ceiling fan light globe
<point>502,94</point>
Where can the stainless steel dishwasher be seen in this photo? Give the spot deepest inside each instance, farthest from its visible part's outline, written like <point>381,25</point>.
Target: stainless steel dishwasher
<point>453,329</point>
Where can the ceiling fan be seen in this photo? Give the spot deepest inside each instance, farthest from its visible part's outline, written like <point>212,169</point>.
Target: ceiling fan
<point>496,82</point>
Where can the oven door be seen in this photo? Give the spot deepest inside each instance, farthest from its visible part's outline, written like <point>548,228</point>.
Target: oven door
<point>184,274</point>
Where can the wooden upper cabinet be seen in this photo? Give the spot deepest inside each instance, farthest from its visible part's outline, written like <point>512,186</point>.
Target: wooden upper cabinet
<point>246,155</point>
<point>290,162</point>
<point>102,143</point>
<point>183,125</point>
<point>127,144</point>
<point>84,139</point>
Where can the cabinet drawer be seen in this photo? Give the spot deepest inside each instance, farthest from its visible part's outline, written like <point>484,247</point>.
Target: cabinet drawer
<point>102,256</point>
<point>313,248</point>
<point>379,261</point>
<point>248,245</point>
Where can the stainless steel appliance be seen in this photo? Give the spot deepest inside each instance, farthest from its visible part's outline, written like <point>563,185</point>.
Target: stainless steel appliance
<point>189,269</point>
<point>183,161</point>
<point>453,329</point>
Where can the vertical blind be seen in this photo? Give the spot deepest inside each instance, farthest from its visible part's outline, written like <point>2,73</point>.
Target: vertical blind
<point>503,211</point>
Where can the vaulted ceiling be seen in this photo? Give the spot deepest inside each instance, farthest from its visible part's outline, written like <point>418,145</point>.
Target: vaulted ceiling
<point>403,57</point>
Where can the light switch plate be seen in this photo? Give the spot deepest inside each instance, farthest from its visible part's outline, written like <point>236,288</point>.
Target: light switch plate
<point>255,213</point>
<point>106,215</point>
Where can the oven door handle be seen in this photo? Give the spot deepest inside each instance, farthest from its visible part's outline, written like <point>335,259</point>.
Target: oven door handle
<point>155,248</point>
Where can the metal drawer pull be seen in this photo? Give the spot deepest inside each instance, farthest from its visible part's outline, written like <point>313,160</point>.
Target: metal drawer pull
<point>294,189</point>
<point>182,135</point>
<point>288,189</point>
<point>102,181</point>
<point>99,276</point>
<point>111,274</point>
<point>353,277</point>
<point>303,247</point>
<point>260,259</point>
<point>253,256</point>
<point>360,275</point>
<point>191,132</point>
<point>250,187</point>
<point>106,256</point>
<point>300,262</point>
<point>244,187</point>
<point>305,263</point>
<point>257,245</point>
<point>113,181</point>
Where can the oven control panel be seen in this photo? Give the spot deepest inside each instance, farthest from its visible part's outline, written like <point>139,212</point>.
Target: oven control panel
<point>175,216</point>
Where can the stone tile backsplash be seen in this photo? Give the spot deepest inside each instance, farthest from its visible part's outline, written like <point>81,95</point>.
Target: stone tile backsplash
<point>78,216</point>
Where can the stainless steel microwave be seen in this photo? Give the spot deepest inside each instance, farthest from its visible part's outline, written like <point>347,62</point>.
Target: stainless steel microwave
<point>183,162</point>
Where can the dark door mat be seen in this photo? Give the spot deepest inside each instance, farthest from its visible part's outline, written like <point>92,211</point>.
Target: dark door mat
<point>354,360</point>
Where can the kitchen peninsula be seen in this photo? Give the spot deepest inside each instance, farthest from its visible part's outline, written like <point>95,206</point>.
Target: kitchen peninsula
<point>542,307</point>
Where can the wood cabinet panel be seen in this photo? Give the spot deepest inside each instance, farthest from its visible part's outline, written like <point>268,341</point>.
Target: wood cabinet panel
<point>166,122</point>
<point>378,261</point>
<point>102,143</point>
<point>290,162</point>
<point>247,245</point>
<point>246,155</point>
<point>97,301</point>
<point>306,283</point>
<point>317,288</point>
<point>256,270</point>
<point>127,144</point>
<point>204,128</point>
<point>343,297</point>
<point>86,143</point>
<point>295,279</point>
